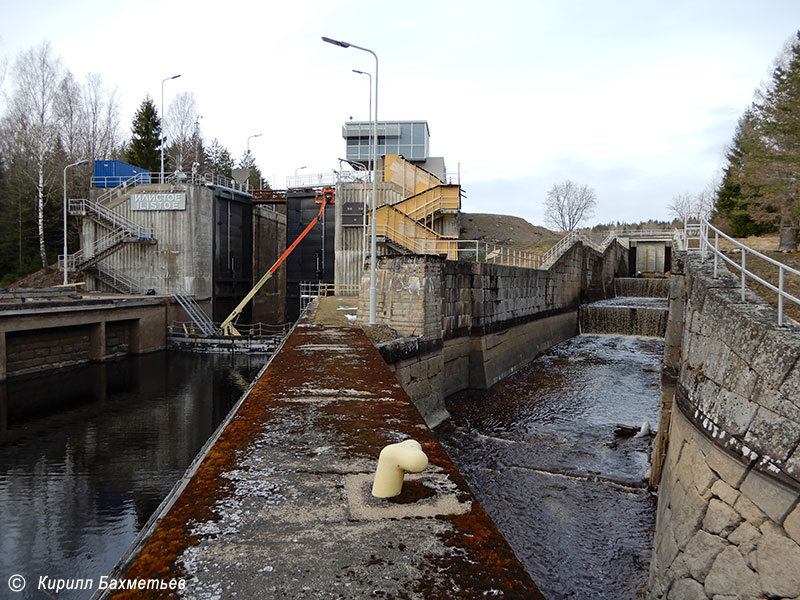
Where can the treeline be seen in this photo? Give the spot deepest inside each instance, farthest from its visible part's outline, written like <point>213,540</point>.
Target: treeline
<point>760,188</point>
<point>49,120</point>
<point>651,225</point>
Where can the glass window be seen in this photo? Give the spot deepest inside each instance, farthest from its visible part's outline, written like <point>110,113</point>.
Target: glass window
<point>405,133</point>
<point>405,151</point>
<point>418,152</point>
<point>419,133</point>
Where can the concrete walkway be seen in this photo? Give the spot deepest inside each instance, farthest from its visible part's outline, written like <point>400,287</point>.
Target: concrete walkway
<point>280,505</point>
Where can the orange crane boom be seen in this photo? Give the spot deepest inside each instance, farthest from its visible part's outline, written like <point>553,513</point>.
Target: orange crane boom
<point>227,327</point>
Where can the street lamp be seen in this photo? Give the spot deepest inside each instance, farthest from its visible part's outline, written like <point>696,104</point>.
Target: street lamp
<point>247,186</point>
<point>64,260</point>
<point>248,140</point>
<point>373,244</point>
<point>370,104</point>
<point>369,153</point>
<point>162,123</point>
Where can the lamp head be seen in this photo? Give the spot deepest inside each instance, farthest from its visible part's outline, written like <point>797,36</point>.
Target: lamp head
<point>335,42</point>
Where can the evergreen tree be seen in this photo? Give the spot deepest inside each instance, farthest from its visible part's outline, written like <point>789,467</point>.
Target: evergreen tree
<point>760,190</point>
<point>219,159</point>
<point>144,150</point>
<point>254,181</point>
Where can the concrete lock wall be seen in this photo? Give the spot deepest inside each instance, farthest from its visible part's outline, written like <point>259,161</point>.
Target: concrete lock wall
<point>728,520</point>
<point>183,256</point>
<point>469,325</point>
<point>40,338</point>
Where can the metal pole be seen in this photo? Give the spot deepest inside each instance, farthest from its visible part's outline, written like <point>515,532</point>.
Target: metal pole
<point>64,260</point>
<point>744,269</point>
<point>373,244</point>
<point>780,296</point>
<point>369,151</point>
<point>161,144</point>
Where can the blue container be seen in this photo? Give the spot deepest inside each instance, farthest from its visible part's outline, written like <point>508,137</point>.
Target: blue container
<point>111,173</point>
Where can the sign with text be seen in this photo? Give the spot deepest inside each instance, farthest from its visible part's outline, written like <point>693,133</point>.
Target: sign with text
<point>159,201</point>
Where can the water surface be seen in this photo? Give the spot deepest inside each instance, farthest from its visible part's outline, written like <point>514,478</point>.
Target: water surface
<point>540,452</point>
<point>87,454</point>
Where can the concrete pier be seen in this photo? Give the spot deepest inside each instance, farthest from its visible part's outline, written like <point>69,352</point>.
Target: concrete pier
<point>279,505</point>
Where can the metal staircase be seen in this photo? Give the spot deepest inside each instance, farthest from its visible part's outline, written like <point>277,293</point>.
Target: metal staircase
<point>114,279</point>
<point>121,231</point>
<point>195,313</point>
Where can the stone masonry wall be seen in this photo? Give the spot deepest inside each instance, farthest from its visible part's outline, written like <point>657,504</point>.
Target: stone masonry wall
<point>728,521</point>
<point>428,296</point>
<point>32,351</point>
<point>468,325</point>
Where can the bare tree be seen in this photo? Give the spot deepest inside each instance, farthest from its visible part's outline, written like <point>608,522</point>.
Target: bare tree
<point>683,206</point>
<point>32,116</point>
<point>181,125</point>
<point>568,204</point>
<point>69,115</point>
<point>101,119</point>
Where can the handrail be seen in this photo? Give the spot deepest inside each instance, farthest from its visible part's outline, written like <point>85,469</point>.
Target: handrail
<point>116,276</point>
<point>177,177</point>
<point>101,244</point>
<point>116,220</point>
<point>705,246</point>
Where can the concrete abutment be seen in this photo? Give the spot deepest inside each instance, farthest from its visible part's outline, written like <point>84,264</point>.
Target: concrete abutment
<point>43,336</point>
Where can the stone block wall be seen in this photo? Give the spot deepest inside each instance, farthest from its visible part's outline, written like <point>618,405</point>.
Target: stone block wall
<point>428,296</point>
<point>728,521</point>
<point>469,325</point>
<point>32,351</point>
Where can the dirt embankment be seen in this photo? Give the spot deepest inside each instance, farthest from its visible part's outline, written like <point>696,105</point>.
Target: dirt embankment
<point>514,232</point>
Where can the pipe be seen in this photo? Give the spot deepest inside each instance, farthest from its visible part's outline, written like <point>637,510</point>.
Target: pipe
<point>393,463</point>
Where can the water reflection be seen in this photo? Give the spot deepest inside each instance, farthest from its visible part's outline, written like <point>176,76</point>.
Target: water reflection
<point>540,454</point>
<point>87,455</point>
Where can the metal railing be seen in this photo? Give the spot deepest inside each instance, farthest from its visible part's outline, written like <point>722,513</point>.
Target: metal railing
<point>101,246</point>
<point>310,290</point>
<point>117,280</point>
<point>701,234</point>
<point>189,329</point>
<point>170,178</point>
<point>480,251</point>
<point>192,309</point>
<point>111,218</point>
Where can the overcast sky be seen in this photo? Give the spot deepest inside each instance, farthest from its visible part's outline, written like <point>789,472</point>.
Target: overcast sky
<point>635,98</point>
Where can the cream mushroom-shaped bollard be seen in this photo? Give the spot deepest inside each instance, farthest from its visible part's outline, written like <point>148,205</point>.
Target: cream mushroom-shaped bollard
<point>394,461</point>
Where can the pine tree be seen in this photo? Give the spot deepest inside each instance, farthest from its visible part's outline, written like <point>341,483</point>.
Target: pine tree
<point>219,159</point>
<point>760,189</point>
<point>144,150</point>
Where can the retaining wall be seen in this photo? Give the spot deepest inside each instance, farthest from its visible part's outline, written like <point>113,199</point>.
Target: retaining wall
<point>469,325</point>
<point>47,335</point>
<point>728,522</point>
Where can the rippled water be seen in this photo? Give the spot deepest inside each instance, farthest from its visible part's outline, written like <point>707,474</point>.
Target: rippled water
<point>540,453</point>
<point>87,455</point>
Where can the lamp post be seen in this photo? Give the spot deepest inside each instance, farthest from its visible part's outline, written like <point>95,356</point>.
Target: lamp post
<point>162,123</point>
<point>373,244</point>
<point>296,182</point>
<point>369,153</point>
<point>255,135</point>
<point>370,107</point>
<point>248,140</point>
<point>64,260</point>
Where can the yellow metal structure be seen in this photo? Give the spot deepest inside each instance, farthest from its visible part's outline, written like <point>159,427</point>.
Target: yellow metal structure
<point>409,224</point>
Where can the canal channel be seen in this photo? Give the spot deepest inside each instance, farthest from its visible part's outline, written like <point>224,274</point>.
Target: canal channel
<point>541,453</point>
<point>88,454</point>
